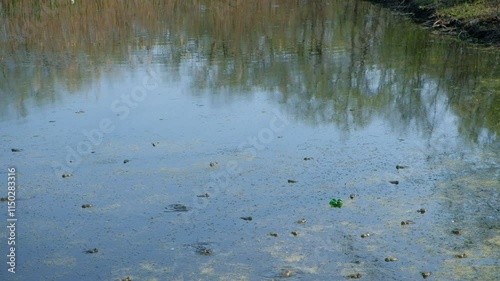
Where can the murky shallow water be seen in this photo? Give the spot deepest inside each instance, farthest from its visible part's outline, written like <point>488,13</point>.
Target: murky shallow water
<point>356,97</point>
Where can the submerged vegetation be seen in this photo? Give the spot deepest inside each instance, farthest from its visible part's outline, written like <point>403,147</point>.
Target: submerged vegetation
<point>411,199</point>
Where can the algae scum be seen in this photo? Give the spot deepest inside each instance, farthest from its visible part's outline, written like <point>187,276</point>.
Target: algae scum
<point>340,143</point>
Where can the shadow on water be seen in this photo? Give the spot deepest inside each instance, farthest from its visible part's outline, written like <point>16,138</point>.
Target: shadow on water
<point>221,110</point>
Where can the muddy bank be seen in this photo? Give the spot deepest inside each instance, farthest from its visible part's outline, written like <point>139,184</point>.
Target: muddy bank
<point>483,30</point>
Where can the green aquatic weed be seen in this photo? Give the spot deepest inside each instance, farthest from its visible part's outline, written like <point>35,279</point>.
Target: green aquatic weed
<point>336,203</point>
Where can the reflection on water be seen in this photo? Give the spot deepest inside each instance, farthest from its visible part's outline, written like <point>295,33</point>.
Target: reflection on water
<point>256,86</point>
<point>323,57</point>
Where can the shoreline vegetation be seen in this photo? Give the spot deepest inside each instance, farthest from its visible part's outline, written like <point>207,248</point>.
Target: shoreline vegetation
<point>474,21</point>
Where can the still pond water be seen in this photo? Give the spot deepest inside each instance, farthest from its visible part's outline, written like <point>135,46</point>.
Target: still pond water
<point>293,102</point>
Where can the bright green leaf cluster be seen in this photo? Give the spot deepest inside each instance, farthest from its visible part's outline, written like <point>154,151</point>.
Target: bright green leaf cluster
<point>336,203</point>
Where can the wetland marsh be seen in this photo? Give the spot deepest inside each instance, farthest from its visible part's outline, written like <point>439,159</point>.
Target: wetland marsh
<point>205,140</point>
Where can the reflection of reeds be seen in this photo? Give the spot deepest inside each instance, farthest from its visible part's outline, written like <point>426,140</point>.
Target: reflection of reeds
<point>59,25</point>
<point>312,49</point>
<point>59,33</point>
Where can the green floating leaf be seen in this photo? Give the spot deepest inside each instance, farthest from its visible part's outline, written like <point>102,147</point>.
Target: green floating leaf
<point>336,203</point>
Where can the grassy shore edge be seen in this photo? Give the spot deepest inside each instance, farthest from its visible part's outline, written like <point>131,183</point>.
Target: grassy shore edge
<point>476,23</point>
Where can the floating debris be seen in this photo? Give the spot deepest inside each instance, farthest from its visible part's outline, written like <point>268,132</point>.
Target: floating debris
<point>354,276</point>
<point>308,158</point>
<point>3,199</point>
<point>399,167</point>
<point>407,222</point>
<point>461,256</point>
<point>273,234</point>
<point>205,251</point>
<point>155,144</point>
<point>92,251</point>
<point>126,161</point>
<point>16,150</point>
<point>177,208</point>
<point>456,231</point>
<point>365,235</point>
<point>301,221</point>
<point>80,112</point>
<point>292,181</point>
<point>206,195</point>
<point>426,274</point>
<point>202,248</point>
<point>422,210</point>
<point>336,203</point>
<point>87,206</point>
<point>66,175</point>
<point>394,182</point>
<point>286,273</point>
<point>246,218</point>
<point>388,259</point>
<point>127,279</point>
<point>352,196</point>
<point>213,164</point>
<point>295,233</point>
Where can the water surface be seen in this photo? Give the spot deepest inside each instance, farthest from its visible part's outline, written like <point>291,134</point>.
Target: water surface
<point>174,86</point>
